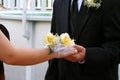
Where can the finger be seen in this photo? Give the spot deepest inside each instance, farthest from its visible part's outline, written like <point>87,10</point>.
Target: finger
<point>70,59</point>
<point>82,56</point>
<point>63,55</point>
<point>78,47</point>
<point>75,58</point>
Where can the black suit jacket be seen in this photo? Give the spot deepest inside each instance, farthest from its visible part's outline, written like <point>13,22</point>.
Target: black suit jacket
<point>98,30</point>
<point>6,33</point>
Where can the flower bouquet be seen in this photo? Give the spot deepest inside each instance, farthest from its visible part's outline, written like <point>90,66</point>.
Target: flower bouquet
<point>60,44</point>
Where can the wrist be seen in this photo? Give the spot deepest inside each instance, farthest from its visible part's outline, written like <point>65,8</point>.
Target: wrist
<point>52,53</point>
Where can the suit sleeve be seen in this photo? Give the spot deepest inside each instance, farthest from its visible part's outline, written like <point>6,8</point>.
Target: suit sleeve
<point>109,52</point>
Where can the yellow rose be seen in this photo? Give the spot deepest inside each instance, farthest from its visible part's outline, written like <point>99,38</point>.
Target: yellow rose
<point>66,40</point>
<point>50,39</point>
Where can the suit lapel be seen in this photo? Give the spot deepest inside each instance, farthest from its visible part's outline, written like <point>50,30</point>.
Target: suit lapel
<point>82,19</point>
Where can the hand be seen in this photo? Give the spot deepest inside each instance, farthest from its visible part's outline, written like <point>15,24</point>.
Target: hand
<point>79,56</point>
<point>66,51</point>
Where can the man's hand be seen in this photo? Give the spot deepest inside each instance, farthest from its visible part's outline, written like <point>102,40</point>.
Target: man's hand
<point>80,56</point>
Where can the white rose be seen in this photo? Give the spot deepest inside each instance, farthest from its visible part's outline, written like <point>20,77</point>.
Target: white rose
<point>90,1</point>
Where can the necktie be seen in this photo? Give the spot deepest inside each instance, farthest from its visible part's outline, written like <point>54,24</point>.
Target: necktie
<point>74,9</point>
<point>73,15</point>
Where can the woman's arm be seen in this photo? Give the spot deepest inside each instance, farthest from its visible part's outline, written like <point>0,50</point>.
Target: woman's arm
<point>24,56</point>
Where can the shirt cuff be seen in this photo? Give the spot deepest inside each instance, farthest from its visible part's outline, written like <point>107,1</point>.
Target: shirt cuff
<point>82,62</point>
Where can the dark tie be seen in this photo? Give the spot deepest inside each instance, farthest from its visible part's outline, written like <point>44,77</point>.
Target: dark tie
<point>73,15</point>
<point>74,9</point>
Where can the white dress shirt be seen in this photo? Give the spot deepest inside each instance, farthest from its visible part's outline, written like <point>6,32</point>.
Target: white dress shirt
<point>79,3</point>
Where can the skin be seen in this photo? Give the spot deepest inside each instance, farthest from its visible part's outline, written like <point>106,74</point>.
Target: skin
<point>79,56</point>
<point>26,56</point>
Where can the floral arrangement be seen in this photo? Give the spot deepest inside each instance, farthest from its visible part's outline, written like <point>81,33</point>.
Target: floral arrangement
<point>92,3</point>
<point>59,44</point>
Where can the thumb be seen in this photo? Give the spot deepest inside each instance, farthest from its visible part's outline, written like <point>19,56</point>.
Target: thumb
<point>79,48</point>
